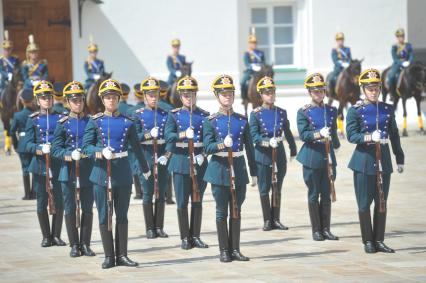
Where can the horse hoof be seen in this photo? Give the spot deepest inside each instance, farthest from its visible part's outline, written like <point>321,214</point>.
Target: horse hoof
<point>342,136</point>
<point>404,133</point>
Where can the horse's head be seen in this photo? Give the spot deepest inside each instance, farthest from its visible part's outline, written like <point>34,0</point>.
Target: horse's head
<point>416,75</point>
<point>354,70</point>
<point>186,69</point>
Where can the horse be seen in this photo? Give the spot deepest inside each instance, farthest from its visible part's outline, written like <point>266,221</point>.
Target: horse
<point>93,101</point>
<point>346,90</point>
<point>173,96</point>
<point>9,105</point>
<point>253,96</point>
<point>411,83</point>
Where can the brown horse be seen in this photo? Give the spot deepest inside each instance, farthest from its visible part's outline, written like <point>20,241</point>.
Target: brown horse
<point>93,101</point>
<point>8,106</point>
<point>173,96</point>
<point>346,91</point>
<point>253,96</point>
<point>411,83</point>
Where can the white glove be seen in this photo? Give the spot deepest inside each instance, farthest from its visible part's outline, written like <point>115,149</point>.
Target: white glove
<point>345,64</point>
<point>256,67</point>
<point>154,132</point>
<point>273,142</point>
<point>107,153</point>
<point>325,132</point>
<point>35,82</point>
<point>375,136</point>
<point>75,154</point>
<point>163,160</point>
<point>178,73</point>
<point>400,168</point>
<point>96,77</point>
<point>9,76</point>
<point>189,133</point>
<point>199,159</point>
<point>253,181</point>
<point>45,148</point>
<point>146,175</point>
<point>228,142</point>
<point>405,64</point>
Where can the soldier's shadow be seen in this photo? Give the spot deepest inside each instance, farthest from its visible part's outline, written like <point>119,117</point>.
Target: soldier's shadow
<point>414,250</point>
<point>392,234</point>
<point>177,261</point>
<point>298,255</point>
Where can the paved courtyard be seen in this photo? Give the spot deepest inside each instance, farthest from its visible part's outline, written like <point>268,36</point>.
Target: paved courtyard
<point>289,256</point>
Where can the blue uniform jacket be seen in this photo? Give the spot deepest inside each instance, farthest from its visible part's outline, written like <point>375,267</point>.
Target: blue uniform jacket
<point>68,136</point>
<point>262,130</point>
<point>215,129</point>
<point>122,132</point>
<point>36,72</point>
<point>177,123</point>
<point>341,55</point>
<point>310,120</point>
<point>17,129</point>
<point>360,123</point>
<point>402,53</point>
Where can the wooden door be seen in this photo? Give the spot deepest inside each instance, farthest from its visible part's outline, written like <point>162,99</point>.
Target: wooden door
<point>49,22</point>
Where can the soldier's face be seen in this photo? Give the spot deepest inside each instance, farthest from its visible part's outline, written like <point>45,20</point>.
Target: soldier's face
<point>340,42</point>
<point>401,39</point>
<point>45,102</point>
<point>372,92</point>
<point>111,102</point>
<point>317,95</point>
<point>93,54</point>
<point>268,96</point>
<point>33,55</point>
<point>76,104</point>
<point>188,98</point>
<point>7,52</point>
<point>226,98</point>
<point>151,98</point>
<point>176,49</point>
<point>252,45</point>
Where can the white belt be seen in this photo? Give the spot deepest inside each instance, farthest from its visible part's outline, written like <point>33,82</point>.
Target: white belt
<point>382,141</point>
<point>279,139</point>
<point>22,134</point>
<point>234,154</point>
<point>150,142</point>
<point>119,155</point>
<point>185,144</point>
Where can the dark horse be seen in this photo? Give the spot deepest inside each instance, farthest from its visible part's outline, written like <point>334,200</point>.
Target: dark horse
<point>253,96</point>
<point>9,105</point>
<point>346,90</point>
<point>186,70</point>
<point>93,101</point>
<point>411,83</point>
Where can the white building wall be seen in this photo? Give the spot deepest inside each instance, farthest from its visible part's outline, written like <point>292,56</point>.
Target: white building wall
<point>134,37</point>
<point>369,27</point>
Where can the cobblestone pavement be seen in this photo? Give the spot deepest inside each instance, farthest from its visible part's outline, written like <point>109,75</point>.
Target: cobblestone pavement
<point>276,256</point>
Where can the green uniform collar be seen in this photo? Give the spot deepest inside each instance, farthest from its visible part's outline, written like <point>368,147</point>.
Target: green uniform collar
<point>113,114</point>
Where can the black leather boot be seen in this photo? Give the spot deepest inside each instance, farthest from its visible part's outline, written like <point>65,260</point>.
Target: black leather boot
<point>379,231</point>
<point>366,231</point>
<point>70,223</point>
<point>86,234</point>
<point>266,211</point>
<point>33,194</point>
<point>195,230</point>
<point>43,219</point>
<point>222,235</point>
<point>159,219</point>
<point>121,248</point>
<point>27,186</point>
<point>184,229</point>
<point>314,213</point>
<point>149,220</point>
<point>138,187</point>
<point>326,220</point>
<point>57,220</point>
<point>108,246</point>
<point>275,215</point>
<point>234,235</point>
<point>169,192</point>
